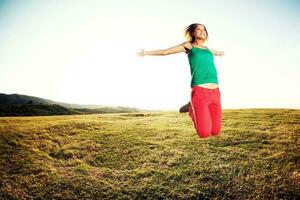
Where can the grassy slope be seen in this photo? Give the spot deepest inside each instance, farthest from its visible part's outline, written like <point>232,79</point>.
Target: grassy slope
<point>35,109</point>
<point>54,109</point>
<point>155,155</point>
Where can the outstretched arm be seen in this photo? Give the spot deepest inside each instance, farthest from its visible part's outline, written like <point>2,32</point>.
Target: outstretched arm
<point>217,53</point>
<point>175,49</point>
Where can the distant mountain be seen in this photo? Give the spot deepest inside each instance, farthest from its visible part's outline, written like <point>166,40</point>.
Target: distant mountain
<point>6,99</point>
<point>24,105</point>
<point>35,109</point>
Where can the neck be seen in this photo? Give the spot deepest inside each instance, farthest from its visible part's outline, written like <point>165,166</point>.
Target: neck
<point>199,42</point>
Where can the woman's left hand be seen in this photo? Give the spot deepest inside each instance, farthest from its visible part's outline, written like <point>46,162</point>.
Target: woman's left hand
<point>222,53</point>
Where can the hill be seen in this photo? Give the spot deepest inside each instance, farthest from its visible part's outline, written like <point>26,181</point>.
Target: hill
<point>24,105</point>
<point>35,110</point>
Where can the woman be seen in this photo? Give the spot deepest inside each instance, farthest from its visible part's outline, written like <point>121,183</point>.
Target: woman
<point>205,104</point>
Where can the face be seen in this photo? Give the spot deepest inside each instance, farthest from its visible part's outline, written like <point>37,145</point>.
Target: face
<point>200,32</point>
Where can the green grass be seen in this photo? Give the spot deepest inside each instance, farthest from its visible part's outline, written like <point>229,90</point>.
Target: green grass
<point>150,156</point>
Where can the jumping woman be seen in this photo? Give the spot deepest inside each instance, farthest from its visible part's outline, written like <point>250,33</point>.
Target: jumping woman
<point>205,104</point>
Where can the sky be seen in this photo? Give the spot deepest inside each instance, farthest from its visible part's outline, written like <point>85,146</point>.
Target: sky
<point>85,51</point>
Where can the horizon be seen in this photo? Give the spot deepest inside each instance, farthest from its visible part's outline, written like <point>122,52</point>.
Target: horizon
<point>171,110</point>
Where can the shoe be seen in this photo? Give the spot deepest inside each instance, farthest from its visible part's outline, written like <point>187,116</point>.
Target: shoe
<point>185,108</point>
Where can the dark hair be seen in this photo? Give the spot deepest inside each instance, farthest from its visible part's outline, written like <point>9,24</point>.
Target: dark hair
<point>189,32</point>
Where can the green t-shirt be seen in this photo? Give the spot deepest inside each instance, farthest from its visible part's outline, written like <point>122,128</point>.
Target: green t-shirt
<point>202,66</point>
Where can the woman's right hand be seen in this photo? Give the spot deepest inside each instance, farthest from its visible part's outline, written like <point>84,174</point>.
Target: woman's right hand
<point>141,53</point>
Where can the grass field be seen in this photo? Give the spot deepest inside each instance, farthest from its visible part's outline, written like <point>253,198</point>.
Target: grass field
<point>150,156</point>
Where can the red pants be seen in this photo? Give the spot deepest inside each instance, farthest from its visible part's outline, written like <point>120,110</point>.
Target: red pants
<point>205,111</point>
